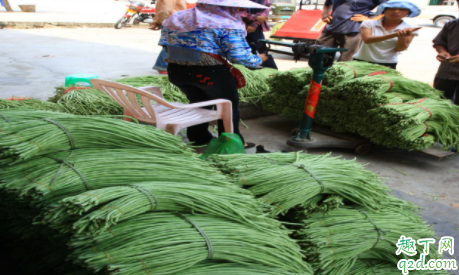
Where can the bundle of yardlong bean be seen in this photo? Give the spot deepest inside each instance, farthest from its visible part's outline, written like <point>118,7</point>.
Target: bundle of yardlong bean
<point>89,102</point>
<point>14,115</point>
<point>290,82</point>
<point>217,268</point>
<point>225,268</point>
<point>372,267</point>
<point>78,171</point>
<point>334,240</point>
<point>292,179</point>
<point>96,210</point>
<point>255,79</point>
<point>386,108</point>
<point>33,104</point>
<point>38,137</point>
<point>342,71</point>
<point>415,124</point>
<point>165,243</point>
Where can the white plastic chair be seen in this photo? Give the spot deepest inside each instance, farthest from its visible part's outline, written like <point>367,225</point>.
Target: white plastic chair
<point>171,117</point>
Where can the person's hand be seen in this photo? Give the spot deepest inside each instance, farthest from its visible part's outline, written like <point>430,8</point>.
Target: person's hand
<point>407,32</point>
<point>359,18</point>
<point>327,18</point>
<point>155,26</point>
<point>454,59</point>
<point>261,19</point>
<point>250,29</point>
<point>263,57</point>
<point>443,57</point>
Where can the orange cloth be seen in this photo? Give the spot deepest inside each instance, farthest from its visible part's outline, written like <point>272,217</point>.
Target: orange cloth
<point>164,8</point>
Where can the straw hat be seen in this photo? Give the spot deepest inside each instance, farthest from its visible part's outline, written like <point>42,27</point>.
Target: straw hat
<point>233,3</point>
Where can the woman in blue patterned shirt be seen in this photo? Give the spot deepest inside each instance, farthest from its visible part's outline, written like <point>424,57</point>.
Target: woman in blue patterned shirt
<point>213,27</point>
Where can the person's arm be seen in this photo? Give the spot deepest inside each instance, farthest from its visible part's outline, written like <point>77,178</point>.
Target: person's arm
<point>164,9</point>
<point>440,45</point>
<point>326,17</point>
<point>405,37</point>
<point>236,49</point>
<point>262,16</point>
<point>368,38</point>
<point>443,54</point>
<point>361,17</point>
<point>250,20</point>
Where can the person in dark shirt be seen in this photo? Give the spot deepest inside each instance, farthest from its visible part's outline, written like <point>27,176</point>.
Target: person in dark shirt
<point>343,24</point>
<point>447,46</point>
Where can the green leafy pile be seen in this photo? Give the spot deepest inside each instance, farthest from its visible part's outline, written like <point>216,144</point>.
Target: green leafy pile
<point>90,102</point>
<point>383,106</point>
<point>33,104</point>
<point>120,198</point>
<point>255,80</point>
<point>338,211</point>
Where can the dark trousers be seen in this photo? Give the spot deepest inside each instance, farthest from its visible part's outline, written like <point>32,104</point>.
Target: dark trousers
<point>219,85</point>
<point>390,65</point>
<point>351,42</point>
<point>450,88</point>
<point>252,39</point>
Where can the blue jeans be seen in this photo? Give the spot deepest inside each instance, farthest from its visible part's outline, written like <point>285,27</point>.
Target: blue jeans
<point>160,64</point>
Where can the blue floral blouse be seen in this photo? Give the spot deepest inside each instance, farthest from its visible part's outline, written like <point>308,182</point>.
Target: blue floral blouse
<point>228,43</point>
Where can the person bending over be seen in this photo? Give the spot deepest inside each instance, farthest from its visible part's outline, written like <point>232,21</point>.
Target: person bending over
<point>196,40</point>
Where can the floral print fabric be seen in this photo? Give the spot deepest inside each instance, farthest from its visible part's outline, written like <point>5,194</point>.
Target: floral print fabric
<point>228,43</point>
<point>205,16</point>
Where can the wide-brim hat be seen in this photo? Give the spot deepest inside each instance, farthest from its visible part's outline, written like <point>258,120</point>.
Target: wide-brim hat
<point>400,4</point>
<point>233,3</point>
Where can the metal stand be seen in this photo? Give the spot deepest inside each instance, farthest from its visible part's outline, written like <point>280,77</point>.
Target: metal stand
<point>320,59</point>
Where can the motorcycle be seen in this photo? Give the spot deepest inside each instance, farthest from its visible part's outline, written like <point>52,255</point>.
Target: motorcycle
<point>139,12</point>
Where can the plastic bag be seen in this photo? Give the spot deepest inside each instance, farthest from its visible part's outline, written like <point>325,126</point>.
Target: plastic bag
<point>225,144</point>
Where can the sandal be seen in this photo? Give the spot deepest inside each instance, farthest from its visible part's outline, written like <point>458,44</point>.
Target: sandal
<point>249,145</point>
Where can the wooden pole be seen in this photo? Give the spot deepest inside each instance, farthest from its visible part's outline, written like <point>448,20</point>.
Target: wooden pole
<point>7,5</point>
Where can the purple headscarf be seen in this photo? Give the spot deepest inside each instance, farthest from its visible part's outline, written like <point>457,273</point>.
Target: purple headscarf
<point>205,16</point>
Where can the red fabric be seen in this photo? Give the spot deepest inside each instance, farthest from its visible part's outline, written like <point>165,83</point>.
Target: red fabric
<point>306,24</point>
<point>238,76</point>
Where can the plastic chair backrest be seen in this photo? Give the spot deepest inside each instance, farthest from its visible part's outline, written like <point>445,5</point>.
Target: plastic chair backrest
<point>126,97</point>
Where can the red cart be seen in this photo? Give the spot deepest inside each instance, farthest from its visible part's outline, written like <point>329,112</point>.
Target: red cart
<point>303,25</point>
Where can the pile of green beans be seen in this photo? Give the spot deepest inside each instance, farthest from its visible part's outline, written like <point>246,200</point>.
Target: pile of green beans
<point>255,88</point>
<point>33,104</point>
<point>286,180</point>
<point>97,210</point>
<point>90,102</point>
<point>333,241</point>
<point>369,267</point>
<point>343,71</point>
<point>385,107</point>
<point>24,139</point>
<point>19,114</point>
<point>171,244</point>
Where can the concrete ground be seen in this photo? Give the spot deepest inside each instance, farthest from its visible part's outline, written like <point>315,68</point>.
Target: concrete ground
<point>34,61</point>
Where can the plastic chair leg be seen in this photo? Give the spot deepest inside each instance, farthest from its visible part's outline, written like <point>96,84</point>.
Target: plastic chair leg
<point>227,118</point>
